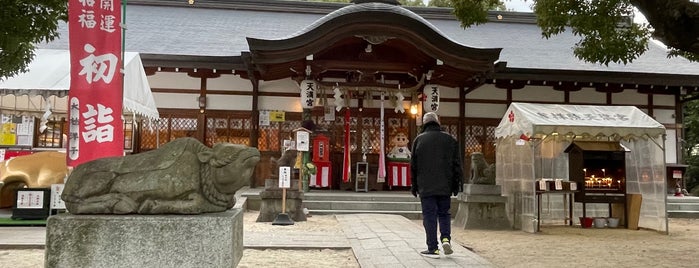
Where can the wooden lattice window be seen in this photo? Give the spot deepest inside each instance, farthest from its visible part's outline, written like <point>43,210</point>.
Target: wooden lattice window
<point>228,129</point>
<point>169,127</point>
<point>56,129</point>
<point>272,136</point>
<point>479,137</point>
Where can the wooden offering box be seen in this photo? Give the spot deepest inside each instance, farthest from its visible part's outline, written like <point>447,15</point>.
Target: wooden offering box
<point>599,169</point>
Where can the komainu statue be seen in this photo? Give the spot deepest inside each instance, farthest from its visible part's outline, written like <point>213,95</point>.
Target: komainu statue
<point>181,177</point>
<point>481,171</point>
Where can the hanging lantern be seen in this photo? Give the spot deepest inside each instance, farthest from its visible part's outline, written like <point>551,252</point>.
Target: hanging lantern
<point>308,94</point>
<point>431,92</point>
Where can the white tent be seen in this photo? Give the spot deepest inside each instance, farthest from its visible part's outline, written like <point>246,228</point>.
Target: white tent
<point>531,139</point>
<point>48,77</point>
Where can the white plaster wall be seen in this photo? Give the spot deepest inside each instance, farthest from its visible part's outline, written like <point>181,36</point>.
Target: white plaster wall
<point>281,85</point>
<point>279,104</point>
<point>176,100</point>
<point>664,100</point>
<point>229,82</point>
<point>629,97</point>
<point>448,92</point>
<point>664,116</point>
<point>228,102</point>
<point>671,146</point>
<point>484,110</point>
<point>173,80</point>
<point>449,109</point>
<point>487,92</point>
<point>588,96</point>
<point>537,93</point>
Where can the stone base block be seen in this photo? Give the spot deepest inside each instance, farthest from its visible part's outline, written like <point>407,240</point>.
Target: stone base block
<point>205,240</point>
<point>482,189</point>
<point>271,205</point>
<point>482,211</point>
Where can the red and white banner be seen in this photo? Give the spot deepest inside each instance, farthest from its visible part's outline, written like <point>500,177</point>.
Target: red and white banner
<point>399,174</point>
<point>95,96</point>
<point>323,174</point>
<point>381,176</point>
<point>347,162</point>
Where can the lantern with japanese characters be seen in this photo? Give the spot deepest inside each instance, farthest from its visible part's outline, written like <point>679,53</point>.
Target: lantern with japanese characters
<point>321,158</point>
<point>431,93</point>
<point>308,88</point>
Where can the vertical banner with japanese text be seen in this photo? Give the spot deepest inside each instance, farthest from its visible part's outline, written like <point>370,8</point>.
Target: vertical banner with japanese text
<point>95,96</point>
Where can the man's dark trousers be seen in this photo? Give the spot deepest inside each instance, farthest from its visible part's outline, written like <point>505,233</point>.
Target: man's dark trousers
<point>436,209</point>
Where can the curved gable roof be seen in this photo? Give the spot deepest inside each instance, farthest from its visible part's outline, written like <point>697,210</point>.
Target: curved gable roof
<point>372,19</point>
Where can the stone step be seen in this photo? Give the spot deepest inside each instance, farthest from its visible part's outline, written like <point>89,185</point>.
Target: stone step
<point>674,200</point>
<point>361,205</point>
<point>683,214</point>
<point>682,206</point>
<point>413,215</point>
<point>362,196</point>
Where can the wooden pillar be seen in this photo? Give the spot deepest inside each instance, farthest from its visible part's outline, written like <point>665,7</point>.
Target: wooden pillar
<point>461,131</point>
<point>201,116</point>
<point>255,116</point>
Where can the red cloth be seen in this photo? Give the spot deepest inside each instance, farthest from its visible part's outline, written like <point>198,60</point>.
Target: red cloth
<point>399,174</point>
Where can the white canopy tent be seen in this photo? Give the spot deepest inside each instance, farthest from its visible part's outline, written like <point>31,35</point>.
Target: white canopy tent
<point>48,78</point>
<point>531,139</point>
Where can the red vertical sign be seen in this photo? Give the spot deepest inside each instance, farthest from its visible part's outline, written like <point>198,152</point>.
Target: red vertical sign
<point>95,97</point>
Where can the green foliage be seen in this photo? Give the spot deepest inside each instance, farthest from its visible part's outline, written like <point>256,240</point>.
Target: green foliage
<point>687,55</point>
<point>606,31</point>
<point>691,143</point>
<point>23,23</point>
<point>414,3</point>
<point>440,3</point>
<point>471,12</point>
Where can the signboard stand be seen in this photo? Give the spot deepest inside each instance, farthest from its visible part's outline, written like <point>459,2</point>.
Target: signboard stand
<point>32,204</point>
<point>284,183</point>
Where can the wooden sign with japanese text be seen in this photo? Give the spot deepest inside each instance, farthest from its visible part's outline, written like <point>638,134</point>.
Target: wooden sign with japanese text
<point>95,96</point>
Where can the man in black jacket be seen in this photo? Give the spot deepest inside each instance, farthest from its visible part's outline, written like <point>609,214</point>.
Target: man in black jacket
<point>436,172</point>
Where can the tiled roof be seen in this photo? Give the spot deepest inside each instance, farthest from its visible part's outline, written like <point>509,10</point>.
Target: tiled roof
<point>217,31</point>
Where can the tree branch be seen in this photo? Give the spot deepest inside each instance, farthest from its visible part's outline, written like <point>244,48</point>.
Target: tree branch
<point>676,22</point>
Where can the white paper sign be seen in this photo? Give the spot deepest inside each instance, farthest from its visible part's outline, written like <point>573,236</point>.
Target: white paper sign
<point>56,201</point>
<point>302,141</point>
<point>30,199</point>
<point>573,186</point>
<point>542,185</point>
<point>284,177</point>
<point>264,118</point>
<point>559,185</point>
<point>677,174</point>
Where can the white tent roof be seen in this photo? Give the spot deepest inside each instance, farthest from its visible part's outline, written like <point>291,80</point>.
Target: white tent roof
<point>49,74</point>
<point>531,119</point>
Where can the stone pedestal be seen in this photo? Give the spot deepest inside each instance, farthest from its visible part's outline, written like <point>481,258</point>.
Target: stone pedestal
<point>271,202</point>
<point>481,207</point>
<point>205,240</point>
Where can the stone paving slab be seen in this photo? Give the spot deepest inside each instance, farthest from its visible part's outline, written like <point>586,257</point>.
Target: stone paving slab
<point>382,240</point>
<point>294,240</point>
<point>377,240</point>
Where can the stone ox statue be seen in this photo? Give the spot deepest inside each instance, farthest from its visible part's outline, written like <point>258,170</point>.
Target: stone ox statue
<point>181,177</point>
